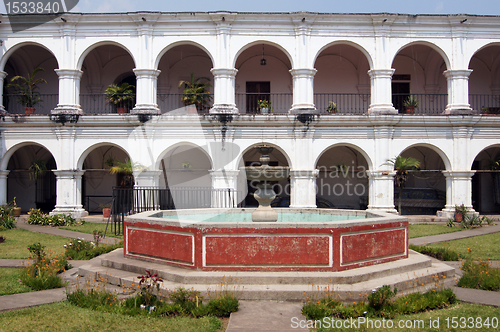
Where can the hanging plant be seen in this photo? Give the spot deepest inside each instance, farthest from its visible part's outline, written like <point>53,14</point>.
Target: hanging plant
<point>37,168</point>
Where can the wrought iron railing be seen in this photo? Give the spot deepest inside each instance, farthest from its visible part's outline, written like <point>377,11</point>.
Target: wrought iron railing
<point>173,101</point>
<point>127,201</point>
<point>280,103</point>
<point>428,104</point>
<point>347,103</point>
<point>47,103</point>
<point>98,104</point>
<point>486,104</point>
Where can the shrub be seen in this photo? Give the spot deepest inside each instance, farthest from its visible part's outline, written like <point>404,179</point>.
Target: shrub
<point>479,275</point>
<point>381,297</point>
<point>84,250</point>
<point>147,284</point>
<point>7,220</point>
<point>37,217</point>
<point>223,306</point>
<point>443,254</point>
<point>42,274</point>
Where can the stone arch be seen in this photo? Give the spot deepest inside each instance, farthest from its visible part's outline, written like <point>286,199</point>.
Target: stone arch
<point>346,42</point>
<point>439,151</point>
<point>181,43</point>
<point>19,45</point>
<point>484,81</point>
<point>263,42</point>
<point>13,149</point>
<point>91,148</point>
<point>92,47</point>
<point>433,46</point>
<point>342,180</point>
<point>486,180</point>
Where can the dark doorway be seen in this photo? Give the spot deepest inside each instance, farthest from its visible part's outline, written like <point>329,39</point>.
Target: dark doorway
<point>400,91</point>
<point>257,91</point>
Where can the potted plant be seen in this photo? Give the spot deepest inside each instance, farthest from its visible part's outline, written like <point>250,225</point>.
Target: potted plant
<point>27,89</point>
<point>332,108</point>
<point>187,165</point>
<point>410,104</point>
<point>460,212</point>
<point>122,96</point>
<point>37,168</point>
<point>264,106</point>
<point>106,210</point>
<point>15,209</point>
<point>196,92</point>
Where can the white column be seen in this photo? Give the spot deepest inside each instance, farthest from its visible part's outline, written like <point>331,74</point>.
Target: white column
<point>147,178</point>
<point>303,91</point>
<point>381,191</point>
<point>69,193</point>
<point>147,80</point>
<point>458,191</point>
<point>3,187</point>
<point>69,92</point>
<point>303,188</point>
<point>226,182</point>
<point>381,91</point>
<point>224,91</point>
<point>2,78</point>
<point>458,91</point>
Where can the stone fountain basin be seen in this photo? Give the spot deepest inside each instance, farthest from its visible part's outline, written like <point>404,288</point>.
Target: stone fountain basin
<point>266,173</point>
<point>355,239</point>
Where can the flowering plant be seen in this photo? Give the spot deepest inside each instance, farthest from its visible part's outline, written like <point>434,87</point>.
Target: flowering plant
<point>264,104</point>
<point>148,283</point>
<point>332,108</point>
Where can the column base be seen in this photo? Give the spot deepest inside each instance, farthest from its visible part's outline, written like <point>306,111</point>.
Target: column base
<point>382,110</point>
<point>303,110</point>
<point>75,212</point>
<point>460,110</point>
<point>67,109</point>
<point>224,109</point>
<point>145,109</point>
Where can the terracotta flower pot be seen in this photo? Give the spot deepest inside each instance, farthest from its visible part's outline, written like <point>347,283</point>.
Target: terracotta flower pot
<point>16,211</point>
<point>106,212</point>
<point>410,110</point>
<point>458,217</point>
<point>121,110</point>
<point>29,110</point>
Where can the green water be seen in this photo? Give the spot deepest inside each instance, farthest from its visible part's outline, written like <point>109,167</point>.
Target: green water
<point>247,217</point>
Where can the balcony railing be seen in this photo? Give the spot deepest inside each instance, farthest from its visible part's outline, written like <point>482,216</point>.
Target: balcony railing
<point>347,103</point>
<point>428,104</point>
<point>173,101</point>
<point>47,103</point>
<point>248,102</point>
<point>490,104</point>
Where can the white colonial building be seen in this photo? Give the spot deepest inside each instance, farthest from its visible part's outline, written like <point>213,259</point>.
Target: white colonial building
<point>367,64</point>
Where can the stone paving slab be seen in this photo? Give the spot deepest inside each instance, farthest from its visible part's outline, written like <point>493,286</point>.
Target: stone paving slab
<point>25,300</point>
<point>266,316</point>
<point>477,296</point>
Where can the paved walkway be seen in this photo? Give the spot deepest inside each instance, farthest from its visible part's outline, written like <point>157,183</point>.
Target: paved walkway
<point>253,315</point>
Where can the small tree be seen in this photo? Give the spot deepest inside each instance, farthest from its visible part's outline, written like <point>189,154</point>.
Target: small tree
<point>402,165</point>
<point>127,170</point>
<point>196,92</point>
<point>27,87</point>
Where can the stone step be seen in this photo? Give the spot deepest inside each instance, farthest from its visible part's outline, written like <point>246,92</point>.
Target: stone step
<point>421,278</point>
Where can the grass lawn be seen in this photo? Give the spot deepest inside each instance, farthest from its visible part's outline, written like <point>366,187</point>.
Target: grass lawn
<point>9,282</point>
<point>429,229</point>
<point>18,240</point>
<point>63,316</point>
<point>484,246</point>
<point>89,228</point>
<point>459,310</point>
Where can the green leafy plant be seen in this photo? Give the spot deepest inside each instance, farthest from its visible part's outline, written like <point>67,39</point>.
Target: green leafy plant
<point>85,250</point>
<point>7,220</point>
<point>121,96</point>
<point>410,102</point>
<point>196,92</point>
<point>38,251</point>
<point>127,169</point>
<point>478,273</point>
<point>402,165</point>
<point>332,107</point>
<point>27,87</point>
<point>37,217</point>
<point>263,103</point>
<point>381,297</point>
<point>443,254</point>
<point>43,273</point>
<point>37,168</point>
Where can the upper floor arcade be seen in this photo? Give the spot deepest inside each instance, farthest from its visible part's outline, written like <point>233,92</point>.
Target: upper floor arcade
<point>299,62</point>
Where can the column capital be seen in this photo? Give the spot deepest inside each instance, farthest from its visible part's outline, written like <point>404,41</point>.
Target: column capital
<point>4,174</point>
<point>303,72</point>
<point>146,73</point>
<point>381,73</point>
<point>304,173</point>
<point>465,175</point>
<point>224,72</point>
<point>68,174</point>
<point>69,73</point>
<point>457,73</point>
<point>380,174</point>
<point>3,74</point>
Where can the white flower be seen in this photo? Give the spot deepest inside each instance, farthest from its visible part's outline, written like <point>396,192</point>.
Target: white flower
<point>64,246</point>
<point>79,241</point>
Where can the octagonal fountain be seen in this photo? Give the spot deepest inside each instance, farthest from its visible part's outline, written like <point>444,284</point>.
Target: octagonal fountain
<point>283,239</point>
